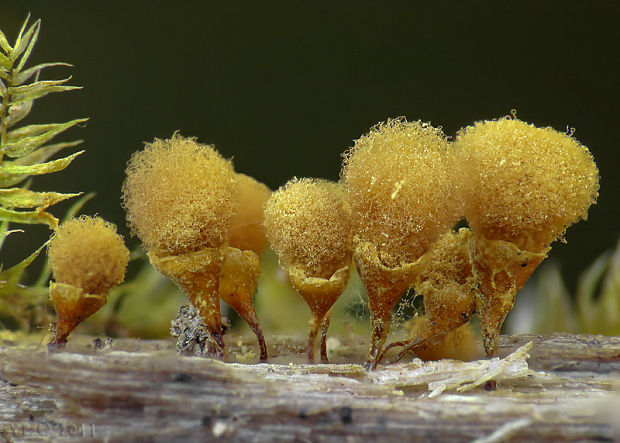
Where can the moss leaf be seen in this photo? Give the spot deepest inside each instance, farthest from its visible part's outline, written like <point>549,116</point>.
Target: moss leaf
<point>28,43</point>
<point>36,169</point>
<point>586,289</point>
<point>29,217</point>
<point>609,299</point>
<point>24,198</point>
<point>18,112</point>
<point>12,276</point>
<point>4,43</point>
<point>553,311</point>
<point>24,39</point>
<point>25,140</point>
<point>20,37</point>
<point>25,75</point>
<point>38,156</point>
<point>5,63</point>
<point>4,232</point>
<point>39,89</point>
<point>46,152</point>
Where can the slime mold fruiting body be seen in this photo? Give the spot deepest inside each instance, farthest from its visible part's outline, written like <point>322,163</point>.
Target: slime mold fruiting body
<point>523,186</point>
<point>246,241</point>
<point>87,258</point>
<point>402,199</point>
<point>180,198</point>
<point>308,224</point>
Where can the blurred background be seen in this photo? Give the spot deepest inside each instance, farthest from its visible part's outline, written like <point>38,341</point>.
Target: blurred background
<point>285,87</point>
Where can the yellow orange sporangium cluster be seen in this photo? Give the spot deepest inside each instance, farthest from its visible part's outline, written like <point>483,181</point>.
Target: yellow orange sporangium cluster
<point>183,201</point>
<point>404,188</point>
<point>517,186</point>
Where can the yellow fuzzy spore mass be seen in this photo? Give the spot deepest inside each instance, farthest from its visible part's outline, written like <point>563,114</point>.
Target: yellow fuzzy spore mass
<point>246,228</point>
<point>399,188</point>
<point>308,224</point>
<point>179,196</point>
<point>87,253</point>
<point>524,184</point>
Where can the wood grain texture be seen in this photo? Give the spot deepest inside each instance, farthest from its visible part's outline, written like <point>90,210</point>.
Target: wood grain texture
<point>143,391</point>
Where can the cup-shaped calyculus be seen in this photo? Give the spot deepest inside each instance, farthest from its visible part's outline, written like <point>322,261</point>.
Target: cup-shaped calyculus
<point>87,258</point>
<point>246,241</point>
<point>523,186</point>
<point>308,225</point>
<point>402,198</point>
<point>180,197</point>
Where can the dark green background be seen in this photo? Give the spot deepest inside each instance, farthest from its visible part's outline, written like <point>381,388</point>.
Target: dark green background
<point>284,88</point>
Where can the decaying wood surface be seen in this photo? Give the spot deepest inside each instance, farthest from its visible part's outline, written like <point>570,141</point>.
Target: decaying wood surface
<point>142,390</point>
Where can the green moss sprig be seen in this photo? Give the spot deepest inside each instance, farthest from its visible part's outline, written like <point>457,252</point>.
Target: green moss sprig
<point>25,152</point>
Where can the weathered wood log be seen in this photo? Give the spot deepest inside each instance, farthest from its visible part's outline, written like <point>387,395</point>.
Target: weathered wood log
<point>142,390</point>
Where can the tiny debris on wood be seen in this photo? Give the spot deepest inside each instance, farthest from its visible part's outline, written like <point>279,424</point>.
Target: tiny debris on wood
<point>560,387</point>
<point>191,333</point>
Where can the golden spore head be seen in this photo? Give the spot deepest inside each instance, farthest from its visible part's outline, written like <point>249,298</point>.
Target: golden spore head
<point>308,224</point>
<point>246,230</point>
<point>399,188</point>
<point>87,253</point>
<point>179,196</point>
<point>524,184</point>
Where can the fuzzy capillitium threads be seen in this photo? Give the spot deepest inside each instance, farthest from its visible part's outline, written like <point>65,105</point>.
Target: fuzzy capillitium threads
<point>180,198</point>
<point>522,187</point>
<point>309,226</point>
<point>87,258</point>
<point>402,198</point>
